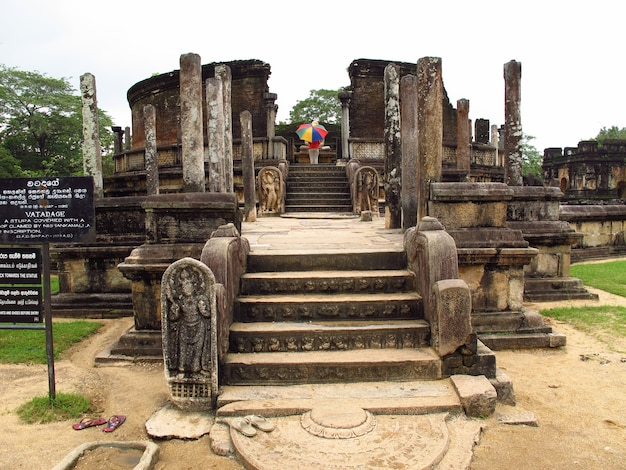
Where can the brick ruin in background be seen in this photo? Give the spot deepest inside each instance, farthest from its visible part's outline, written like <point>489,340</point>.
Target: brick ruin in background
<point>592,177</point>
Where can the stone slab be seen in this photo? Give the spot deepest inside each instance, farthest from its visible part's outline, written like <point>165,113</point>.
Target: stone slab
<point>476,393</point>
<point>517,417</point>
<point>147,461</point>
<point>170,422</point>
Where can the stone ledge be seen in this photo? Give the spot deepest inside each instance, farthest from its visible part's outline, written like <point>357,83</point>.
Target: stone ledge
<point>478,397</point>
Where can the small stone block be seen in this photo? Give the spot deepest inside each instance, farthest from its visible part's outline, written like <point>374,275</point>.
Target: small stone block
<point>366,216</point>
<point>525,418</point>
<point>221,443</point>
<point>504,388</point>
<point>478,397</point>
<point>557,340</point>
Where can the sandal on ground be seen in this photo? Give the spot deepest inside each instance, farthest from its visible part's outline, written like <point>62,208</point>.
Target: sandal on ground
<point>114,422</point>
<point>243,426</point>
<point>88,422</point>
<point>260,423</point>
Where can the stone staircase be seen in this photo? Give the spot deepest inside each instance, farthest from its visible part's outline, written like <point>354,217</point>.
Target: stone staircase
<point>336,316</point>
<point>317,188</point>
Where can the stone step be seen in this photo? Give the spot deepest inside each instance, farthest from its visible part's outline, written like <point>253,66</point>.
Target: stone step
<point>335,259</point>
<point>321,187</point>
<point>345,208</point>
<point>363,365</point>
<point>306,307</point>
<point>329,335</point>
<point>405,398</point>
<point>316,197</point>
<point>391,280</point>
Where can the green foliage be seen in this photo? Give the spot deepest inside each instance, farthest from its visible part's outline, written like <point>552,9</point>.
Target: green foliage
<point>29,346</point>
<point>612,132</point>
<point>609,277</point>
<point>532,159</point>
<point>321,105</point>
<point>41,124</point>
<point>44,410</point>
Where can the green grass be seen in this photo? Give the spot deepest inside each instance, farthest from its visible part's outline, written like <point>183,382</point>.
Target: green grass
<point>609,277</point>
<point>29,346</point>
<point>43,410</point>
<point>599,320</point>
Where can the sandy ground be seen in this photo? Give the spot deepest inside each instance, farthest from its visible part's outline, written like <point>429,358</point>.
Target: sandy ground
<point>576,393</point>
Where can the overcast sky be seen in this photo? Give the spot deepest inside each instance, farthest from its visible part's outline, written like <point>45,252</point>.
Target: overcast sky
<point>572,66</point>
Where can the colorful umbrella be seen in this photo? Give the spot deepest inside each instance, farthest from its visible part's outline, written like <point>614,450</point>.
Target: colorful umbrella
<point>311,132</point>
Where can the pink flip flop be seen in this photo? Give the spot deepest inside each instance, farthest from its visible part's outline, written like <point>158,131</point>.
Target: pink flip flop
<point>114,422</point>
<point>88,422</point>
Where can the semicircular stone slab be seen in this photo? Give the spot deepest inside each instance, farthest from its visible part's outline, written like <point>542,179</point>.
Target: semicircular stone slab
<point>395,441</point>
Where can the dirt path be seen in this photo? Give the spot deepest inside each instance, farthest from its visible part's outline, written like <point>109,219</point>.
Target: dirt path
<point>576,394</point>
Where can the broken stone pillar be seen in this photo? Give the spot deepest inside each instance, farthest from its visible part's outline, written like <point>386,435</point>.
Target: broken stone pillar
<point>215,134</point>
<point>223,73</point>
<point>127,138</point>
<point>481,131</point>
<point>247,164</point>
<point>345,97</point>
<point>92,154</point>
<point>408,132</point>
<point>430,128</point>
<point>151,155</point>
<point>463,138</point>
<point>513,123</point>
<point>118,135</point>
<point>192,140</point>
<point>270,99</point>
<point>393,148</point>
<point>189,329</point>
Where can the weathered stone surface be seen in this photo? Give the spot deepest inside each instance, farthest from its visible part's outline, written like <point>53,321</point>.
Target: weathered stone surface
<point>513,123</point>
<point>408,123</point>
<point>271,190</point>
<point>393,148</point>
<point>170,422</point>
<point>476,393</point>
<point>517,417</point>
<point>92,153</point>
<point>148,460</point>
<point>453,309</point>
<point>504,387</point>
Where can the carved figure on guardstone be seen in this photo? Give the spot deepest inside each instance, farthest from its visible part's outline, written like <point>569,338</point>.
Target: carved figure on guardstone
<point>188,314</point>
<point>366,185</point>
<point>271,197</point>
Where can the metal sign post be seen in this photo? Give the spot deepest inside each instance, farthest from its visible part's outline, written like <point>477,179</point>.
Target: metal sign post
<point>52,393</point>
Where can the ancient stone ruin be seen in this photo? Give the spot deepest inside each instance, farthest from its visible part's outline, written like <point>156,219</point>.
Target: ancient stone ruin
<point>230,321</point>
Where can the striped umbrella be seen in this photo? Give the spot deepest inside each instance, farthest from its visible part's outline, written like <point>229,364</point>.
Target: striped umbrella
<point>311,132</point>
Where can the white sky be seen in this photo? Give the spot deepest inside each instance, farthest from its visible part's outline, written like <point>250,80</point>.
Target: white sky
<point>572,66</point>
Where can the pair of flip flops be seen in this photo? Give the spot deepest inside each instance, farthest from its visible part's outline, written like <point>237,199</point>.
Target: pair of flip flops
<point>112,423</point>
<point>249,424</point>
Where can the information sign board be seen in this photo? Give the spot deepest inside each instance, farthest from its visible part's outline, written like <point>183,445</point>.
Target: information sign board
<point>21,266</point>
<point>42,210</point>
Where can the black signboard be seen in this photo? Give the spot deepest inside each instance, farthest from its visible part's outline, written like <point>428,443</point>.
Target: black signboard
<point>20,304</point>
<point>20,266</point>
<point>42,210</point>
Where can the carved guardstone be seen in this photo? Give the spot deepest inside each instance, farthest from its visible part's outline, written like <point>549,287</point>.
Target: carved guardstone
<point>189,319</point>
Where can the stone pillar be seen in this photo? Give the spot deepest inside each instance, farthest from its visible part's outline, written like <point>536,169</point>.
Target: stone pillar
<point>215,135</point>
<point>430,128</point>
<point>118,135</point>
<point>191,123</point>
<point>495,142</point>
<point>345,97</point>
<point>127,138</point>
<point>92,155</point>
<point>463,139</point>
<point>408,131</point>
<point>393,148</point>
<point>151,154</point>
<point>270,99</point>
<point>247,162</point>
<point>481,131</point>
<point>513,123</point>
<point>223,73</point>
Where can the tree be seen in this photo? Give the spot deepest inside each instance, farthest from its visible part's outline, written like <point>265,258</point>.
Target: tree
<point>532,159</point>
<point>41,123</point>
<point>612,132</point>
<point>322,105</point>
